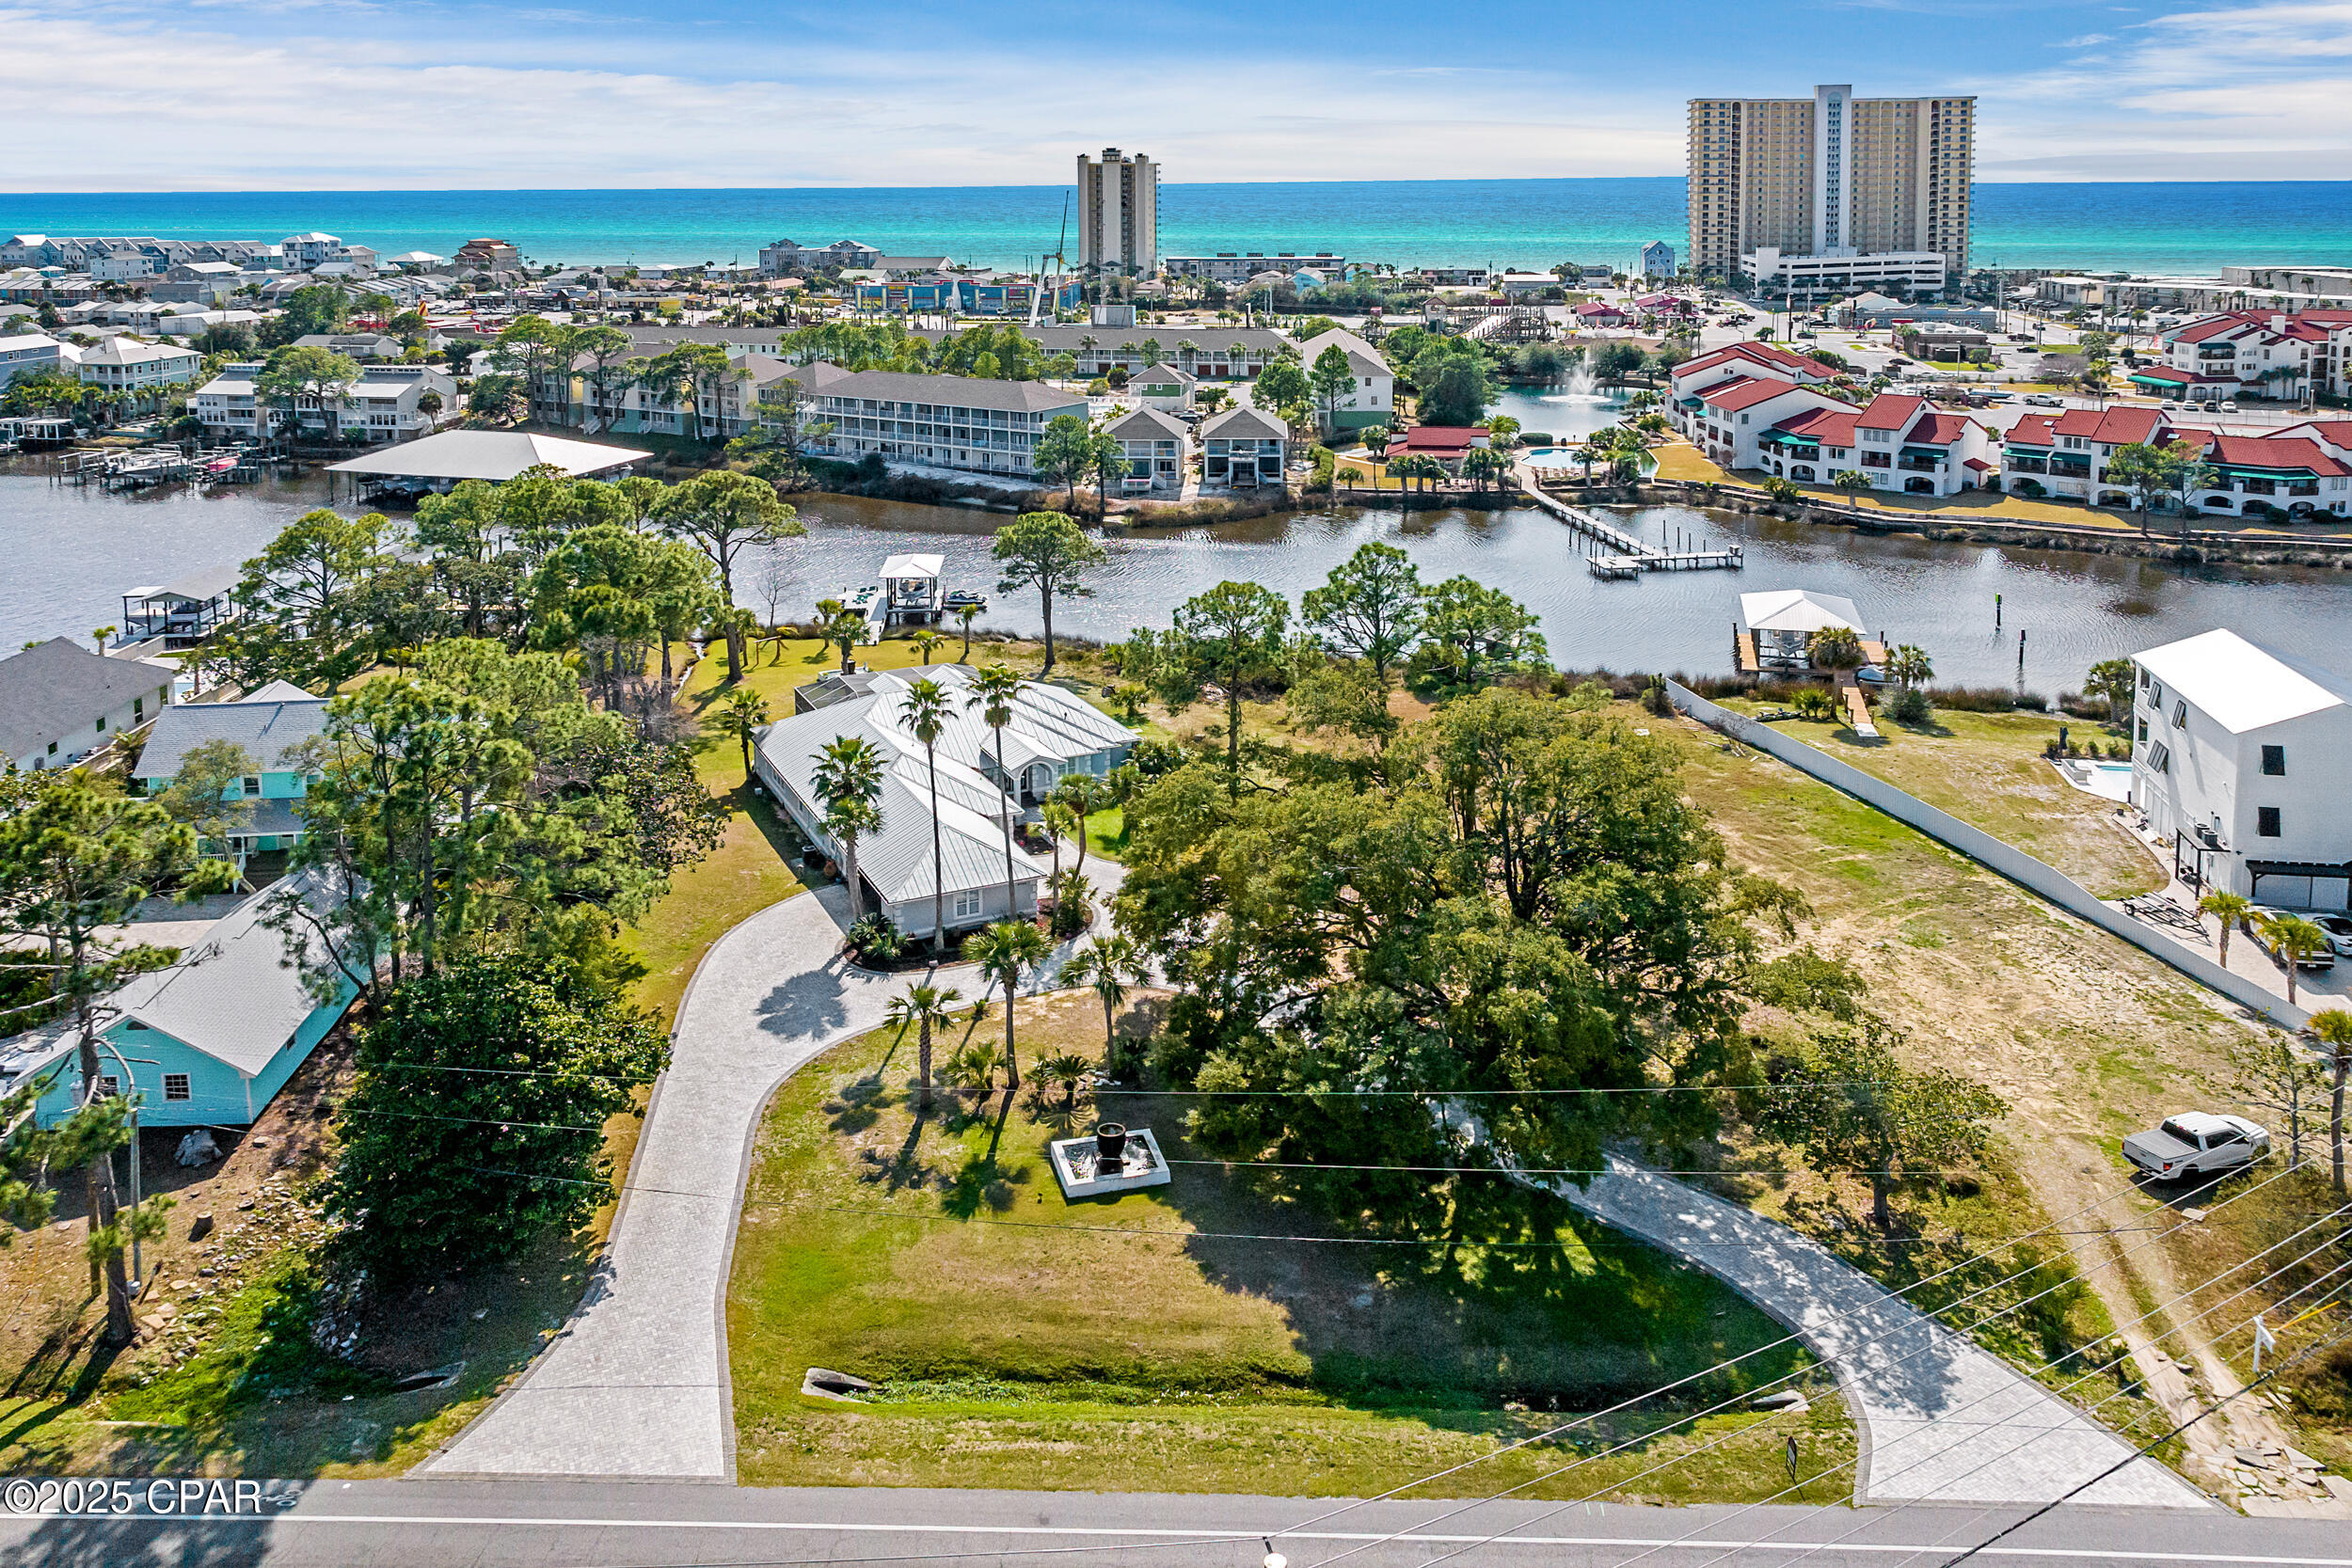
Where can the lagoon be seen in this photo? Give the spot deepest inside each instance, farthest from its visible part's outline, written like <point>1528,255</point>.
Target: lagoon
<point>70,554</point>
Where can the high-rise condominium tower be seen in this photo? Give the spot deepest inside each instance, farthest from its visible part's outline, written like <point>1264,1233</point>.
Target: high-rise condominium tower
<point>1830,175</point>
<point>1119,212</point>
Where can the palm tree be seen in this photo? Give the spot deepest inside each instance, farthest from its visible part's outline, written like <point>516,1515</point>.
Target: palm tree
<point>2229,909</point>
<point>995,688</point>
<point>925,642</point>
<point>965,615</point>
<point>926,1007</point>
<point>741,715</point>
<point>1350,476</point>
<point>1854,482</point>
<point>99,635</point>
<point>1060,823</point>
<point>848,779</point>
<point>840,626</point>
<point>2334,1029</point>
<point>1107,966</point>
<point>2293,939</point>
<point>926,715</point>
<point>1065,1070</point>
<point>1004,952</point>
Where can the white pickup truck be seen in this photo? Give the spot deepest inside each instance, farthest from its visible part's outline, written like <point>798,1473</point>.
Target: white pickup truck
<point>2196,1144</point>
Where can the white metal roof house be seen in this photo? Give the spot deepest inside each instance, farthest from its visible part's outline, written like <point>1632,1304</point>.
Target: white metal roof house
<point>2239,754</point>
<point>212,1039</point>
<point>1052,734</point>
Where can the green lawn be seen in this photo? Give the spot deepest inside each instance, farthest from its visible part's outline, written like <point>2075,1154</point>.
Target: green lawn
<point>1988,770</point>
<point>1020,1341</point>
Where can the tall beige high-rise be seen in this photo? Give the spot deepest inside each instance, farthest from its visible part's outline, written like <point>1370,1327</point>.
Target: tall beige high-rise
<point>1830,175</point>
<point>1119,212</point>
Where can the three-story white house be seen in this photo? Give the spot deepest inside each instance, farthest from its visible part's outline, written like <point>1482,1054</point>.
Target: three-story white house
<point>2239,756</point>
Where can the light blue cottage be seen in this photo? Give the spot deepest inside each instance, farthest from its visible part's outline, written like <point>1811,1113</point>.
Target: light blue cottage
<point>209,1041</point>
<point>272,725</point>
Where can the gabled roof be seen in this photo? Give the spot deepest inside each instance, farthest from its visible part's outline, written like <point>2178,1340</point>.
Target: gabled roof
<point>267,724</point>
<point>1439,438</point>
<point>2034,430</point>
<point>1798,609</point>
<point>1937,430</point>
<point>2241,685</point>
<point>492,454</point>
<point>1732,396</point>
<point>1835,426</point>
<point>1246,424</point>
<point>58,689</point>
<point>2274,452</point>
<point>2116,426</point>
<point>1890,411</point>
<point>1769,356</point>
<point>1165,372</point>
<point>1148,424</point>
<point>236,995</point>
<point>955,392</point>
<point>2214,326</point>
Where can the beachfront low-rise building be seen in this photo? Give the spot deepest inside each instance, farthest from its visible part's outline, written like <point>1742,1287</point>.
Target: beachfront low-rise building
<point>942,421</point>
<point>1898,443</point>
<point>1812,279</point>
<point>2239,754</point>
<point>1728,420</point>
<point>2260,475</point>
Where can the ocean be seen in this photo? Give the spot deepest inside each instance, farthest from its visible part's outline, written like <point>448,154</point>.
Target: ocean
<point>2164,228</point>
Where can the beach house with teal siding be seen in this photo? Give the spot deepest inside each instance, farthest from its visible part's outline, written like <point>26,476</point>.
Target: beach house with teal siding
<point>209,1041</point>
<point>272,724</point>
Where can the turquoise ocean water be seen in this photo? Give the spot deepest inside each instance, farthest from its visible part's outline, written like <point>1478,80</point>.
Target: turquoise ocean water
<point>2190,227</point>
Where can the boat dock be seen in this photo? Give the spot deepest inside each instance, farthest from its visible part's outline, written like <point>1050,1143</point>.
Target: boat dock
<point>132,468</point>
<point>1620,555</point>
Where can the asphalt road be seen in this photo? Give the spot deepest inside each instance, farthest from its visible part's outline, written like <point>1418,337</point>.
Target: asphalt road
<point>572,1525</point>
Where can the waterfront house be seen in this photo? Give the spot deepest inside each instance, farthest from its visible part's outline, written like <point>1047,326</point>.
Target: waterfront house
<point>123,364</point>
<point>385,404</point>
<point>2238,759</point>
<point>1243,447</point>
<point>274,724</point>
<point>2262,353</point>
<point>1155,445</point>
<point>1052,734</point>
<point>59,701</point>
<point>209,1041</point>
<point>943,421</point>
<point>1905,445</point>
<point>1657,259</point>
<point>2067,454</point>
<point>354,345</point>
<point>1749,361</point>
<point>1372,397</point>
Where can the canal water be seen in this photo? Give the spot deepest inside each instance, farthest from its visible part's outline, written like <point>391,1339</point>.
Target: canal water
<point>66,557</point>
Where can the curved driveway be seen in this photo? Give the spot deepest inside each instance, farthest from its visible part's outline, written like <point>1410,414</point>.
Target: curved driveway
<point>636,1386</point>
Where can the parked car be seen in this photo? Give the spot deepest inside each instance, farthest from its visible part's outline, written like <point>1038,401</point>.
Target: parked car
<point>2257,916</point>
<point>2229,406</point>
<point>2338,930</point>
<point>2196,1143</point>
<point>2043,400</point>
<point>2172,402</point>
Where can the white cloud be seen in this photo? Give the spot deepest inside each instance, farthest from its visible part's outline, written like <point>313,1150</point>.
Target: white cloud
<point>2255,92</point>
<point>145,103</point>
<point>2087,41</point>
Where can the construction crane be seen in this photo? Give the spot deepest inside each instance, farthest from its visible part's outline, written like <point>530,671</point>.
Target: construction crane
<point>1045,279</point>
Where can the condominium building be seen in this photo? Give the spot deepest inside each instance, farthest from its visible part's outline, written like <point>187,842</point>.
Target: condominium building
<point>1119,212</point>
<point>1830,175</point>
<point>945,421</point>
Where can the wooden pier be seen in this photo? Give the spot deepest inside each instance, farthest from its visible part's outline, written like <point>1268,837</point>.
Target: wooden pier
<point>134,468</point>
<point>1622,557</point>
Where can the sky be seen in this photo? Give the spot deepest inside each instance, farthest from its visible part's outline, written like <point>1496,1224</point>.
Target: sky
<point>138,95</point>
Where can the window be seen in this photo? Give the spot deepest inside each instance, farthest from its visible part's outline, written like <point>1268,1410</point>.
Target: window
<point>2143,731</point>
<point>109,1086</point>
<point>2275,761</point>
<point>175,1085</point>
<point>102,723</point>
<point>967,906</point>
<point>252,784</point>
<point>2159,757</point>
<point>2266,821</point>
<point>2180,716</point>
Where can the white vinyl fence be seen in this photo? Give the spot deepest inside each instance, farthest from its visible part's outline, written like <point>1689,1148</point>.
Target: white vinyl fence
<point>1986,850</point>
